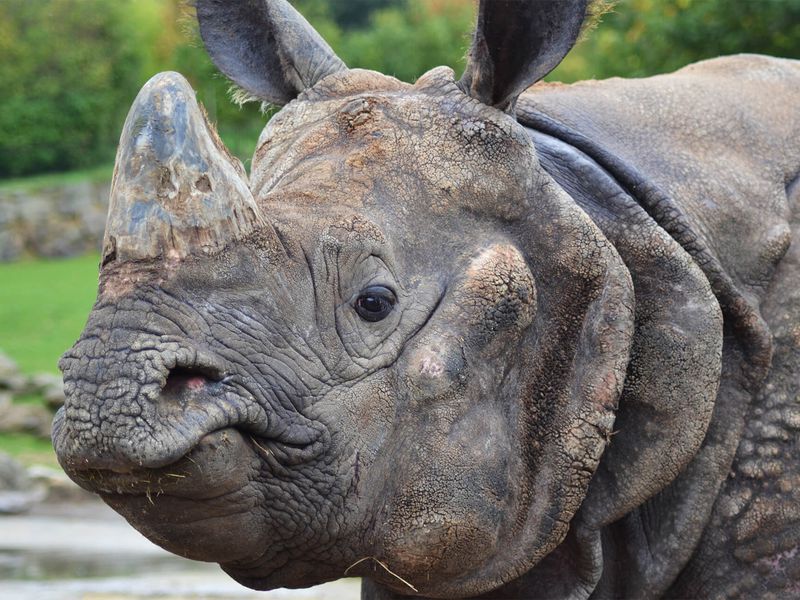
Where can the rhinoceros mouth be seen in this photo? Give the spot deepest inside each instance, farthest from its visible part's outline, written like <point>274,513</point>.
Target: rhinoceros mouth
<point>209,468</point>
<point>108,447</point>
<point>208,495</point>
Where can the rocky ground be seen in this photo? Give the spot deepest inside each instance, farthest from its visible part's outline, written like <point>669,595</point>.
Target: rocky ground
<point>21,488</point>
<point>84,551</point>
<point>58,542</point>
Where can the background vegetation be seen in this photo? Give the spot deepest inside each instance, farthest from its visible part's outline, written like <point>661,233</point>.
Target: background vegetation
<point>43,307</point>
<point>69,69</point>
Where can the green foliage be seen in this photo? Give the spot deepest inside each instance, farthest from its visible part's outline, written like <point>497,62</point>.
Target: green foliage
<point>406,42</point>
<point>66,75</point>
<point>356,13</point>
<point>645,37</point>
<point>239,126</point>
<point>43,307</point>
<point>69,69</point>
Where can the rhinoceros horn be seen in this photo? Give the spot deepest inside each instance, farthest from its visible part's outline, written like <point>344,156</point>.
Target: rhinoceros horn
<point>176,190</point>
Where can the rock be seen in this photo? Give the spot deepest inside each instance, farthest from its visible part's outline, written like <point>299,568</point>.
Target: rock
<point>10,376</point>
<point>11,245</point>
<point>58,487</point>
<point>21,488</point>
<point>15,502</point>
<point>16,383</point>
<point>54,396</point>
<point>50,387</point>
<point>64,220</point>
<point>18,493</point>
<point>42,381</point>
<point>13,475</point>
<point>7,365</point>
<point>29,417</point>
<point>25,418</point>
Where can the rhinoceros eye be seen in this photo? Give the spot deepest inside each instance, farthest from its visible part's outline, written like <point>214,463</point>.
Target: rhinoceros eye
<point>375,303</point>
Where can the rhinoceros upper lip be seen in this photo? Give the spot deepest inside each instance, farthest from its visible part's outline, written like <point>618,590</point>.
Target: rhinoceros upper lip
<point>190,394</point>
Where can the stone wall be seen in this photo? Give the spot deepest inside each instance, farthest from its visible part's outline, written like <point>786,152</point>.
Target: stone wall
<point>52,221</point>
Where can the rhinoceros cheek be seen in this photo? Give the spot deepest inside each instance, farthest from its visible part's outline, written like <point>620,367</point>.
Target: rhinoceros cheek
<point>438,533</point>
<point>446,508</point>
<point>448,545</point>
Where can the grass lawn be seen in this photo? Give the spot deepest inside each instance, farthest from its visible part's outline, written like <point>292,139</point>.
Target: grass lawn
<point>43,307</point>
<point>28,449</point>
<point>99,173</point>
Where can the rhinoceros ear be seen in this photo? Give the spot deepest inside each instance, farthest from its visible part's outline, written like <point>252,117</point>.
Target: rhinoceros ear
<point>516,43</point>
<point>265,46</point>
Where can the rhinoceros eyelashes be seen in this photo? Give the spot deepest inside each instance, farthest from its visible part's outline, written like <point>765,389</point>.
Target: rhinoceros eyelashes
<point>375,303</point>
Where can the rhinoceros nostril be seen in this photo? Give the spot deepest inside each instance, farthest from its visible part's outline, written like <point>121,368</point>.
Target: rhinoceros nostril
<point>184,385</point>
<point>186,379</point>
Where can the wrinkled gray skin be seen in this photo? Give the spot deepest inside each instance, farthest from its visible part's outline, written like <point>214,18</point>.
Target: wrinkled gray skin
<point>587,385</point>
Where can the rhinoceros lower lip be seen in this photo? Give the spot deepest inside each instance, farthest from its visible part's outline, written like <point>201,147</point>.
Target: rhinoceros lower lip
<point>220,462</point>
<point>202,507</point>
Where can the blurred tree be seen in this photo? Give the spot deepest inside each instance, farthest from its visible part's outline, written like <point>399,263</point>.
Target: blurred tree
<point>69,69</point>
<point>239,126</point>
<point>356,13</point>
<point>421,35</point>
<point>644,37</point>
<point>406,42</point>
<point>66,71</point>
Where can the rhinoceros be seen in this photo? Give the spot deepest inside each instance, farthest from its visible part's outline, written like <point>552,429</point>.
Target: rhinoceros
<point>460,338</point>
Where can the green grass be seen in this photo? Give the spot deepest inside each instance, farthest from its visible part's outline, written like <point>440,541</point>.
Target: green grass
<point>28,449</point>
<point>45,180</point>
<point>43,308</point>
<point>28,399</point>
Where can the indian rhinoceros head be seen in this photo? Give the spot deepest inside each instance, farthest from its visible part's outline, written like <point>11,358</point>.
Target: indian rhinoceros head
<point>395,352</point>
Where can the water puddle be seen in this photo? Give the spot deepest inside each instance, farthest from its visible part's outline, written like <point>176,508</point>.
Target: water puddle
<point>42,566</point>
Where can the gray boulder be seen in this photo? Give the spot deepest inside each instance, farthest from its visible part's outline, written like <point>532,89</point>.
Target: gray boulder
<point>24,418</point>
<point>10,376</point>
<point>50,387</point>
<point>18,493</point>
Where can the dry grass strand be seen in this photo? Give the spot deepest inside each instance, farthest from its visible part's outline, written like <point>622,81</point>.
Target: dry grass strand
<point>385,568</point>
